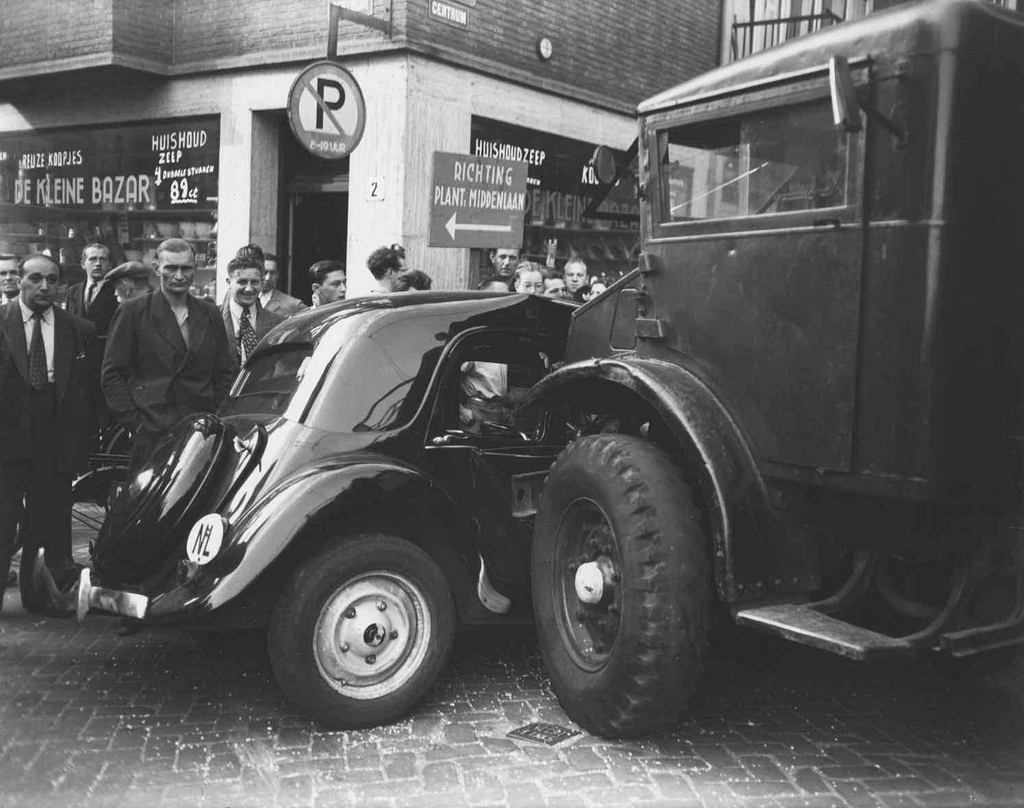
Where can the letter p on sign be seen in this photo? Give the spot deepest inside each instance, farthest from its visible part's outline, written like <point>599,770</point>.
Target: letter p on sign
<point>326,87</point>
<point>326,110</point>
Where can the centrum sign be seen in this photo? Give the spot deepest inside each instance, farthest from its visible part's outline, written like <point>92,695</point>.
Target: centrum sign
<point>477,201</point>
<point>326,110</point>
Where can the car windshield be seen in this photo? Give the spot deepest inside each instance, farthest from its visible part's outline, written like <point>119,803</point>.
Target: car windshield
<point>266,385</point>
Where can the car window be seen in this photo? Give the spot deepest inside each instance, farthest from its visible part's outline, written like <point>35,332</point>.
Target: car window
<point>380,376</point>
<point>490,385</point>
<point>762,162</point>
<point>268,381</point>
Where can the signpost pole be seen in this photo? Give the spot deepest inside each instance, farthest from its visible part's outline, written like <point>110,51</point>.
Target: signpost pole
<point>340,12</point>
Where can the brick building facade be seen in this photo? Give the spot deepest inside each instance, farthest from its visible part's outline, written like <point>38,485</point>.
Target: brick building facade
<point>107,85</point>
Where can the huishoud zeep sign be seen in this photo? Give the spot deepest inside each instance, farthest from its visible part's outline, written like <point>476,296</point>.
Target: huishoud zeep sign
<point>156,166</point>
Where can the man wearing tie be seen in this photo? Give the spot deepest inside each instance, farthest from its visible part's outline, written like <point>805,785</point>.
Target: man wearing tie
<point>167,354</point>
<point>93,299</point>
<point>245,320</point>
<point>47,362</point>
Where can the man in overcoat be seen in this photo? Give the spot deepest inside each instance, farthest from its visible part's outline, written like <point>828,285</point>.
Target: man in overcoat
<point>93,298</point>
<point>167,354</point>
<point>273,299</point>
<point>48,361</point>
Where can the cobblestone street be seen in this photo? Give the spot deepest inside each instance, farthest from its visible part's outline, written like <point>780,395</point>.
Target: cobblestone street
<point>167,718</point>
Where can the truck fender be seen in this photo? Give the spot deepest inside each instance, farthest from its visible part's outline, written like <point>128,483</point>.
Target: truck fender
<point>753,552</point>
<point>270,526</point>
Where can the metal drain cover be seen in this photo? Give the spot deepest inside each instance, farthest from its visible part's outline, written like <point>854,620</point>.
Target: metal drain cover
<point>541,732</point>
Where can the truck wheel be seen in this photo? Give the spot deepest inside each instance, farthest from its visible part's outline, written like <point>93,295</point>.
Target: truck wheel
<point>621,588</point>
<point>361,631</point>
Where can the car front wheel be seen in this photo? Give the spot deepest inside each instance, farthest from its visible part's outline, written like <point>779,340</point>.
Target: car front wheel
<point>362,630</point>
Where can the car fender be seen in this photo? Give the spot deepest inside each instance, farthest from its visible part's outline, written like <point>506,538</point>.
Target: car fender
<point>267,528</point>
<point>755,551</point>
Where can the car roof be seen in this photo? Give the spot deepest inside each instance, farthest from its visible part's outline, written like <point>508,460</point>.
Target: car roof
<point>902,31</point>
<point>462,309</point>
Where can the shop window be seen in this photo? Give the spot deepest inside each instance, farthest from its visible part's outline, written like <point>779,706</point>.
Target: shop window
<point>128,187</point>
<point>560,220</point>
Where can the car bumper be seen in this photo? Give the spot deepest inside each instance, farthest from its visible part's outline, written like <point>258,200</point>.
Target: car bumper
<point>107,601</point>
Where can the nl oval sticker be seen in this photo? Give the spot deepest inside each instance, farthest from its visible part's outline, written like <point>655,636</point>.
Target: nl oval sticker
<point>326,110</point>
<point>205,538</point>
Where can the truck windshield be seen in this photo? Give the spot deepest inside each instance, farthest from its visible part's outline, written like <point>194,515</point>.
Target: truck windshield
<point>269,380</point>
<point>763,162</point>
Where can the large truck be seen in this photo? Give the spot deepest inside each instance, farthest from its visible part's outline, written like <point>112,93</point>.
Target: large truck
<point>803,409</point>
<point>802,412</point>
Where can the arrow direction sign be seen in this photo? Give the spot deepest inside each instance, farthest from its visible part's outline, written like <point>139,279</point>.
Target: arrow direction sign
<point>452,225</point>
<point>477,201</point>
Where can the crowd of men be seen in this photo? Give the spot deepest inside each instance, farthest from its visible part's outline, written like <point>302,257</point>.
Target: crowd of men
<point>508,272</point>
<point>123,352</point>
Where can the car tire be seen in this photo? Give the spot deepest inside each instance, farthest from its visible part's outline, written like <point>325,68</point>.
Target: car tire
<point>627,664</point>
<point>361,631</point>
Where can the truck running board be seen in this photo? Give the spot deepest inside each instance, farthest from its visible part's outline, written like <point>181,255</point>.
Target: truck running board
<point>804,624</point>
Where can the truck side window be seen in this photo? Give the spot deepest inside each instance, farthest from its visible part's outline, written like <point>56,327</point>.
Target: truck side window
<point>765,161</point>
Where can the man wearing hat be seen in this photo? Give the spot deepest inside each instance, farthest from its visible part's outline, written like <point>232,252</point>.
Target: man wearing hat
<point>128,280</point>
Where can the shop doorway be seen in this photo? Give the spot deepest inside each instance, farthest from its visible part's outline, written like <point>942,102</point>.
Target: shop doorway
<point>318,229</point>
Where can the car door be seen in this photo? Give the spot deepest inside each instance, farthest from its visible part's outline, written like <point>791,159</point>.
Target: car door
<point>495,469</point>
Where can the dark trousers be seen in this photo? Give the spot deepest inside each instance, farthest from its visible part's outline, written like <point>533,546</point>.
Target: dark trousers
<point>34,494</point>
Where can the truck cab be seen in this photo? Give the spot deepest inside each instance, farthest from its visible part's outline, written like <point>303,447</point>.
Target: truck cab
<point>819,355</point>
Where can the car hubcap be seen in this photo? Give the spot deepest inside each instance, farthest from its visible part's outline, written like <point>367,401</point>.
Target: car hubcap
<point>587,586</point>
<point>372,634</point>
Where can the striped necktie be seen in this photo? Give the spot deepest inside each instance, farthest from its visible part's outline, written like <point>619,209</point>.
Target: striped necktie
<point>246,336</point>
<point>37,375</point>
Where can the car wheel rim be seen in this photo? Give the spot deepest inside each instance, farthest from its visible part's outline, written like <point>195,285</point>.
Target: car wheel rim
<point>586,544</point>
<point>372,634</point>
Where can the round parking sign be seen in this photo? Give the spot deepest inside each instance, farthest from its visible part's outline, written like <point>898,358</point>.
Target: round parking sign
<point>326,110</point>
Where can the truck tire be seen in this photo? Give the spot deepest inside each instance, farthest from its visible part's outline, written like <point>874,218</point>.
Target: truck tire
<point>361,631</point>
<point>616,513</point>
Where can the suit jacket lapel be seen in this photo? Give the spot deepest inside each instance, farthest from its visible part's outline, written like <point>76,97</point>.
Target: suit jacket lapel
<point>167,324</point>
<point>264,322</point>
<point>76,299</point>
<point>14,326</point>
<point>63,348</point>
<point>229,327</point>
<point>197,328</point>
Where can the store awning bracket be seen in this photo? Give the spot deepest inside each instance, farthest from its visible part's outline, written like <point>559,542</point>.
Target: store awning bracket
<point>339,13</point>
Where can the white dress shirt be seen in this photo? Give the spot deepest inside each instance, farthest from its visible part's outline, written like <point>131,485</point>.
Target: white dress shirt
<point>265,298</point>
<point>47,328</point>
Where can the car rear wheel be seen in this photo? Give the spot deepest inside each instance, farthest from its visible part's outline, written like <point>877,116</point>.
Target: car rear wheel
<point>362,630</point>
<point>621,585</point>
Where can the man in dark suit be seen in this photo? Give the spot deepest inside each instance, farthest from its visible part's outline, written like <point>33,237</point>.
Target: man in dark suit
<point>273,299</point>
<point>92,298</point>
<point>245,321</point>
<point>47,362</point>
<point>9,278</point>
<point>167,354</point>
